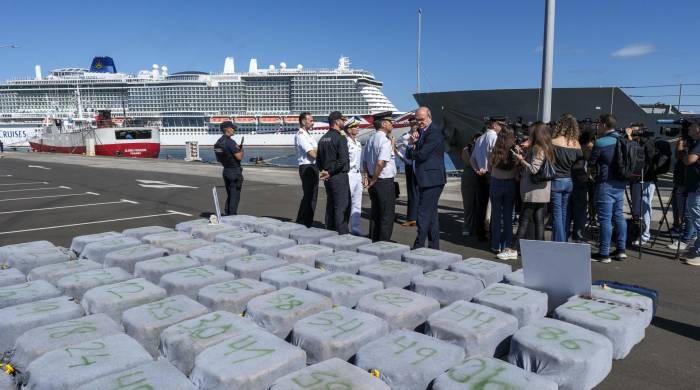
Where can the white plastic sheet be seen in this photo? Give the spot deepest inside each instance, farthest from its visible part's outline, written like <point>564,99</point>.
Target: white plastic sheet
<point>330,374</point>
<point>8,251</point>
<point>481,372</point>
<point>344,289</point>
<point>447,286</point>
<point>392,273</point>
<point>245,221</point>
<point>625,297</point>
<point>158,375</point>
<point>304,253</point>
<point>114,299</point>
<point>515,278</point>
<point>345,242</point>
<point>161,238</point>
<point>189,281</point>
<point>385,250</point>
<point>232,296</point>
<point>217,254</point>
<point>431,259</point>
<point>127,258</point>
<point>237,238</point>
<point>152,270</point>
<point>345,261</point>
<point>209,232</point>
<point>183,247</point>
<point>278,229</point>
<point>75,285</point>
<point>525,304</point>
<point>11,276</point>
<point>311,235</point>
<point>401,309</point>
<point>488,271</point>
<point>251,266</point>
<point>187,226</point>
<point>28,259</point>
<point>292,275</point>
<point>79,242</point>
<point>26,292</point>
<point>269,245</point>
<point>52,273</point>
<point>143,231</point>
<point>96,251</point>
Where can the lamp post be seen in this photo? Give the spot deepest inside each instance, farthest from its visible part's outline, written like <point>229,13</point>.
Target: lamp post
<point>547,62</point>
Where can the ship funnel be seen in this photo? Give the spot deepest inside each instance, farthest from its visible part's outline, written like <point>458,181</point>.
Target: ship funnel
<point>154,72</point>
<point>229,66</point>
<point>164,71</point>
<point>37,72</point>
<point>253,67</point>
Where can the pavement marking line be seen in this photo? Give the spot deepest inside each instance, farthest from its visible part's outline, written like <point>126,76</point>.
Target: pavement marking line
<point>68,207</point>
<point>37,166</point>
<point>38,189</point>
<point>5,175</point>
<point>50,196</point>
<point>179,213</point>
<point>160,184</point>
<point>92,222</point>
<point>29,183</point>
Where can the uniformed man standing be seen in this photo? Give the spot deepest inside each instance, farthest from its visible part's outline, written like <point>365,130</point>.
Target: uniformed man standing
<point>380,170</point>
<point>230,154</point>
<point>355,175</point>
<point>333,162</point>
<point>306,147</point>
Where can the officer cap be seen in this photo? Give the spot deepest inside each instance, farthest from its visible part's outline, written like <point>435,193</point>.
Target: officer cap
<point>351,123</point>
<point>384,116</point>
<point>227,124</point>
<point>334,116</point>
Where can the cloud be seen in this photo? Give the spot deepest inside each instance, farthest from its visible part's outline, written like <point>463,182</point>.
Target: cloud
<point>635,50</point>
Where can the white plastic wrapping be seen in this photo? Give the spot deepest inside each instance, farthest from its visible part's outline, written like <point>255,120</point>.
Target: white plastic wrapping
<point>488,271</point>
<point>79,242</point>
<point>245,221</point>
<point>269,245</point>
<point>158,375</point>
<point>189,281</point>
<point>159,239</point>
<point>385,250</point>
<point>232,296</point>
<point>236,238</point>
<point>515,278</point>
<point>251,266</point>
<point>75,285</point>
<point>282,229</point>
<point>311,235</point>
<point>152,270</point>
<point>209,232</point>
<point>8,251</point>
<point>447,286</point>
<point>401,309</point>
<point>52,273</point>
<point>217,254</point>
<point>27,259</point>
<point>127,258</point>
<point>330,374</point>
<point>183,247</point>
<point>625,297</point>
<point>143,231</point>
<point>292,275</point>
<point>11,276</point>
<point>114,299</point>
<point>344,289</point>
<point>345,261</point>
<point>304,253</point>
<point>187,226</point>
<point>525,304</point>
<point>481,372</point>
<point>392,273</point>
<point>26,292</point>
<point>96,251</point>
<point>431,259</point>
<point>345,242</point>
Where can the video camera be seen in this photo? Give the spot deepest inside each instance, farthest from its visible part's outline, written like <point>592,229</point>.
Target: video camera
<point>675,127</point>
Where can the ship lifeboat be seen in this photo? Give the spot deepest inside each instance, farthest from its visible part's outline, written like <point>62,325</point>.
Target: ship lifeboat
<point>291,120</point>
<point>270,120</point>
<point>219,119</point>
<point>245,119</point>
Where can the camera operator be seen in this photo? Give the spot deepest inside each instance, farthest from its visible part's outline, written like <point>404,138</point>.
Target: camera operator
<point>681,226</point>
<point>643,194</point>
<point>691,160</point>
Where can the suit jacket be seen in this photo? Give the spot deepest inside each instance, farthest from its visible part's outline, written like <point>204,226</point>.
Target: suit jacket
<point>429,158</point>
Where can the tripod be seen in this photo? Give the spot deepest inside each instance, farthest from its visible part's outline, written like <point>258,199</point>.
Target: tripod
<point>640,216</point>
<point>664,219</point>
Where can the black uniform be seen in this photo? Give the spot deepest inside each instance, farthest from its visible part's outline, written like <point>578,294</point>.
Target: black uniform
<point>225,148</point>
<point>332,156</point>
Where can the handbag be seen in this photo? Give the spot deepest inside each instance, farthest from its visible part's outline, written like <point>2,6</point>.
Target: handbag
<point>545,173</point>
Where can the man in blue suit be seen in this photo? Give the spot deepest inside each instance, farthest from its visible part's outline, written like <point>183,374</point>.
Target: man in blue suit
<point>429,170</point>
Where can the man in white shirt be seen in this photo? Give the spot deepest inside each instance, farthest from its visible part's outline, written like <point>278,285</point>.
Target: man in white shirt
<point>480,161</point>
<point>306,147</point>
<point>355,175</point>
<point>380,170</point>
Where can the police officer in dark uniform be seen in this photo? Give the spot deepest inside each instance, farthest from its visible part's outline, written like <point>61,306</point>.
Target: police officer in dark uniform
<point>333,162</point>
<point>230,154</point>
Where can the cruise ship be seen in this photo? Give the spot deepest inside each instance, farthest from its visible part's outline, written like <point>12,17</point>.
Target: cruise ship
<point>190,105</point>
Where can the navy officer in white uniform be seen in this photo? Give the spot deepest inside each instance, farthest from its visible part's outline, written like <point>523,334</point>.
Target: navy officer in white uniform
<point>352,130</point>
<point>306,147</point>
<point>380,170</point>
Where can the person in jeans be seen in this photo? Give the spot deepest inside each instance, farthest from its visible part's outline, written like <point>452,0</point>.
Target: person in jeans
<point>692,186</point>
<point>643,194</point>
<point>567,151</point>
<point>503,190</point>
<point>610,192</point>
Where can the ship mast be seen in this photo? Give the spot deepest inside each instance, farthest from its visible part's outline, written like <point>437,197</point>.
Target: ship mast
<point>420,17</point>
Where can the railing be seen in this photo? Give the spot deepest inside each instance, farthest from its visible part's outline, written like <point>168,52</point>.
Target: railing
<point>679,98</point>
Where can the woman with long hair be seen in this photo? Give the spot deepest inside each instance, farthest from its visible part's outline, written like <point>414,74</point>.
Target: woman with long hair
<point>567,151</point>
<point>502,191</point>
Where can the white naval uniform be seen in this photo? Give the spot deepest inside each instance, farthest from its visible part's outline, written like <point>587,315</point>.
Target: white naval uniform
<point>355,178</point>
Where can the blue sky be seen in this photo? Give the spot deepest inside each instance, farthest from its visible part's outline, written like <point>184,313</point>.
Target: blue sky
<point>467,44</point>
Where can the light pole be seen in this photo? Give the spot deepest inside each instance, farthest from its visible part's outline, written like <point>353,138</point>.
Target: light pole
<point>547,62</point>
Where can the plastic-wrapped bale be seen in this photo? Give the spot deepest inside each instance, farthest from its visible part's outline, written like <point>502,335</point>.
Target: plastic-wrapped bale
<point>525,304</point>
<point>187,226</point>
<point>345,242</point>
<point>152,270</point>
<point>75,285</point>
<point>181,343</point>
<point>209,232</point>
<point>11,276</point>
<point>515,278</point>
<point>161,238</point>
<point>267,220</point>
<point>68,368</point>
<point>17,294</point>
<point>249,361</point>
<point>7,383</point>
<point>447,286</point>
<point>52,273</point>
<point>330,374</point>
<point>246,221</point>
<point>158,375</point>
<point>392,273</point>
<point>97,251</point>
<point>237,238</point>
<point>79,242</point>
<point>344,289</point>
<point>573,357</point>
<point>488,271</point>
<point>189,281</point>
<point>481,372</point>
<point>56,335</point>
<point>28,259</point>
<point>127,258</point>
<point>143,231</point>
<point>431,259</point>
<point>8,251</point>
<point>337,333</point>
<point>233,295</point>
<point>385,250</point>
<point>401,309</point>
<point>629,298</point>
<point>278,311</point>
<point>281,230</point>
<point>217,254</point>
<point>269,245</point>
<point>251,266</point>
<point>408,360</point>
<point>184,247</point>
<point>345,261</point>
<point>292,275</point>
<point>304,253</point>
<point>15,320</point>
<point>114,299</point>
<point>145,323</point>
<point>623,325</point>
<point>311,235</point>
<point>479,329</point>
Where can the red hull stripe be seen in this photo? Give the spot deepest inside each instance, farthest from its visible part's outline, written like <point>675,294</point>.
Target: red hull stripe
<point>142,150</point>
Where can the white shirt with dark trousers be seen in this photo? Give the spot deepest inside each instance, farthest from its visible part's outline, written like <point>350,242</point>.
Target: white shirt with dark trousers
<point>382,193</point>
<point>304,143</point>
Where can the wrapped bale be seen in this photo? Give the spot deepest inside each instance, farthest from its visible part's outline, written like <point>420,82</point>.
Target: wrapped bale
<point>278,311</point>
<point>113,299</point>
<point>159,239</point>
<point>189,281</point>
<point>479,329</point>
<point>7,383</point>
<point>75,285</point>
<point>481,372</point>
<point>281,230</point>
<point>35,290</point>
<point>158,375</point>
<point>127,258</point>
<point>252,360</point>
<point>28,259</point>
<point>183,247</point>
<point>401,309</point>
<point>337,333</point>
<point>345,242</point>
<point>267,220</point>
<point>345,261</point>
<point>311,235</point>
<point>431,259</point>
<point>97,251</point>
<point>79,242</point>
<point>11,276</point>
<point>623,325</point>
<point>8,251</point>
<point>270,245</point>
<point>488,271</point>
<point>573,357</point>
<point>304,254</point>
<point>68,368</point>
<point>187,226</point>
<point>392,273</point>
<point>15,320</point>
<point>344,289</point>
<point>408,360</point>
<point>330,374</point>
<point>447,286</point>
<point>217,254</point>
<point>292,275</point>
<point>209,232</point>
<point>145,323</point>
<point>232,296</point>
<point>152,270</point>
<point>245,221</point>
<point>525,304</point>
<point>629,298</point>
<point>384,250</point>
<point>237,238</point>
<point>52,273</point>
<point>181,343</point>
<point>141,232</point>
<point>252,266</point>
<point>515,278</point>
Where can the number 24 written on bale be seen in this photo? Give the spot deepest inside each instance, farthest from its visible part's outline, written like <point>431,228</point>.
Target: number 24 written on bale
<point>86,359</point>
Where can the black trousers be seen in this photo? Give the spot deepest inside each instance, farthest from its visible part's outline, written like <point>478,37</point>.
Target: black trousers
<point>381,221</point>
<point>482,201</point>
<point>338,203</point>
<point>428,222</point>
<point>531,213</point>
<point>469,190</point>
<point>309,184</point>
<point>233,180</point>
<point>412,193</point>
